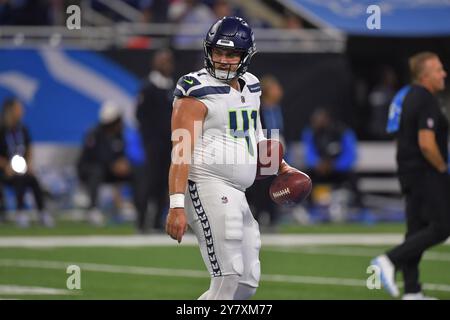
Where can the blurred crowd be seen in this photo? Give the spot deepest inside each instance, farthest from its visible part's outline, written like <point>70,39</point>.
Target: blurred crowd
<point>53,12</point>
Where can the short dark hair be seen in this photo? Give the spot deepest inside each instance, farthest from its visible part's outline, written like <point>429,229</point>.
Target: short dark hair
<point>157,55</point>
<point>7,106</point>
<point>8,102</point>
<point>417,63</point>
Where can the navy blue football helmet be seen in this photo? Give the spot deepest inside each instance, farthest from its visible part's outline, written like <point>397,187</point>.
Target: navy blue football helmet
<point>230,33</point>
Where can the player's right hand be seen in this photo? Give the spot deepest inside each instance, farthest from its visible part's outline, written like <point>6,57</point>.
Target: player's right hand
<point>176,223</point>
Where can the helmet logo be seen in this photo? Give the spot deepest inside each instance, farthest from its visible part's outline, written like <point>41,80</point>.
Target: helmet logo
<point>226,43</point>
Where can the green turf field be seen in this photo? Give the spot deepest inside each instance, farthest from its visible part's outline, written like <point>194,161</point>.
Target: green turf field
<point>177,272</point>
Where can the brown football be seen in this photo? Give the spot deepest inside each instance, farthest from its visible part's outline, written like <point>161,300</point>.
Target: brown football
<point>290,188</point>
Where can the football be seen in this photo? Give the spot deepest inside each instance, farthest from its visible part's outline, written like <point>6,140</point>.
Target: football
<point>270,155</point>
<point>290,188</point>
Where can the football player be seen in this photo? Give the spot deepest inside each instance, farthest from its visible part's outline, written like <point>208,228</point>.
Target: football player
<point>218,107</point>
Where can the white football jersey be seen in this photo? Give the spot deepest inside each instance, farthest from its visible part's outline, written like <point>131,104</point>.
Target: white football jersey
<point>226,150</point>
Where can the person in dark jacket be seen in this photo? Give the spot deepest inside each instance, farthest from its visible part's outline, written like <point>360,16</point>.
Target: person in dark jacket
<point>103,158</point>
<point>421,131</point>
<point>16,162</point>
<point>153,113</point>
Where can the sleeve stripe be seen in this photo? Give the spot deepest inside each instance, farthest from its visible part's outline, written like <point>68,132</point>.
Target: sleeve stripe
<point>204,91</point>
<point>201,92</point>
<point>254,87</point>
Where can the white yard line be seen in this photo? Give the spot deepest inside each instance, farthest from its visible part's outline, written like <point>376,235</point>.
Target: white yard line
<point>104,268</point>
<point>287,240</point>
<point>93,267</point>
<point>355,252</point>
<point>25,290</point>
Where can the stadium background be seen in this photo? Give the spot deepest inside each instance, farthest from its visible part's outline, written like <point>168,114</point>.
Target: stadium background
<point>328,58</point>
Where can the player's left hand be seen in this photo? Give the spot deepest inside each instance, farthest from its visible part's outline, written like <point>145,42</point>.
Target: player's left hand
<point>176,223</point>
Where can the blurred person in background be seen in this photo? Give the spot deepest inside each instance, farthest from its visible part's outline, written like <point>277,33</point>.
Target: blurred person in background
<point>330,149</point>
<point>153,113</point>
<point>292,21</point>
<point>271,111</point>
<point>151,10</point>
<point>103,159</point>
<point>421,131</point>
<point>271,119</point>
<point>190,14</point>
<point>16,163</point>
<point>157,11</point>
<point>222,8</point>
<point>154,11</point>
<point>25,12</point>
<point>379,100</point>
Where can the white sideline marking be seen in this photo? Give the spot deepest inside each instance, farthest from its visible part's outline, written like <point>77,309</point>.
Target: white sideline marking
<point>185,273</point>
<point>24,290</point>
<point>189,239</point>
<point>103,268</point>
<point>355,252</point>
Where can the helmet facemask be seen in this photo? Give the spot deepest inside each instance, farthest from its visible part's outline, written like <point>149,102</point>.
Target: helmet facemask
<point>225,74</point>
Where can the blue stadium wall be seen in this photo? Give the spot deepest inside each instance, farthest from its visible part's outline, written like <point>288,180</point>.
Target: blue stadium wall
<point>62,90</point>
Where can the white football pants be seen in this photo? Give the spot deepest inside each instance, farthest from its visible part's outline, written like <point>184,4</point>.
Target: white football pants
<point>226,231</point>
